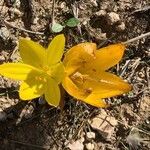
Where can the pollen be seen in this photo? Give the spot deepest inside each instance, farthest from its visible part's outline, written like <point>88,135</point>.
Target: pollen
<point>39,78</point>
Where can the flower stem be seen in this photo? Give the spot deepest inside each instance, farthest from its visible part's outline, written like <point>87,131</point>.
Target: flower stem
<point>137,38</point>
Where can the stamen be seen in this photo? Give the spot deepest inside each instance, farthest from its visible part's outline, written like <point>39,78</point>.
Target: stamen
<point>78,77</point>
<point>40,78</point>
<point>88,90</point>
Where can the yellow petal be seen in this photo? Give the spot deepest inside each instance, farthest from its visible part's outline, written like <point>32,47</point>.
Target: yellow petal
<point>80,94</point>
<point>31,89</point>
<point>96,102</point>
<point>78,56</point>
<point>84,57</point>
<point>86,78</point>
<point>73,90</point>
<point>107,57</point>
<point>32,53</point>
<point>55,49</point>
<point>52,92</point>
<point>92,87</point>
<point>18,71</point>
<point>57,72</point>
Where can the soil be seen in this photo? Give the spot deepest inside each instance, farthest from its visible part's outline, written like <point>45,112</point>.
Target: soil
<point>29,125</point>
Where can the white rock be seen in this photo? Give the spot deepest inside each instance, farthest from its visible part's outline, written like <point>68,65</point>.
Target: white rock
<point>121,27</point>
<point>4,33</point>
<point>101,13</point>
<point>28,112</point>
<point>104,124</point>
<point>35,20</point>
<point>89,146</point>
<point>17,3</point>
<point>112,18</point>
<point>90,135</point>
<point>76,145</point>
<point>2,58</point>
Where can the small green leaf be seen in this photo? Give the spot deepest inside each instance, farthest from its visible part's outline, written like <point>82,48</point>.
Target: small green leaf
<point>72,22</point>
<point>57,27</point>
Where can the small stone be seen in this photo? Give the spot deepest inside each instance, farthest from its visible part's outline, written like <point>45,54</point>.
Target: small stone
<point>101,13</point>
<point>3,115</point>
<point>76,145</point>
<point>147,121</point>
<point>90,135</point>
<point>112,18</point>
<point>82,139</point>
<point>2,58</point>
<point>104,124</point>
<point>7,105</point>
<point>89,146</point>
<point>17,3</point>
<point>35,20</point>
<point>121,27</point>
<point>4,33</point>
<point>28,112</point>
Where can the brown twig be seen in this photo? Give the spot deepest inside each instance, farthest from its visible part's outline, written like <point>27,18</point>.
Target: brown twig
<point>53,10</point>
<point>22,29</point>
<point>148,77</point>
<point>137,38</point>
<point>134,66</point>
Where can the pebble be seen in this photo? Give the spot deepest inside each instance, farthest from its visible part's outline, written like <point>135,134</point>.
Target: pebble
<point>90,135</point>
<point>2,58</point>
<point>76,145</point>
<point>17,3</point>
<point>121,27</point>
<point>35,20</point>
<point>28,112</point>
<point>101,13</point>
<point>112,18</point>
<point>104,124</point>
<point>89,146</point>
<point>4,33</point>
<point>7,105</point>
<point>147,121</point>
<point>3,115</point>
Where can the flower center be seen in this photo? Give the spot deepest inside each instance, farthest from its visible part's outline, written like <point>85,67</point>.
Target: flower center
<point>81,81</point>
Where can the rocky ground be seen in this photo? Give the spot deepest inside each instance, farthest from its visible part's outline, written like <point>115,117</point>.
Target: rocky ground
<point>35,125</point>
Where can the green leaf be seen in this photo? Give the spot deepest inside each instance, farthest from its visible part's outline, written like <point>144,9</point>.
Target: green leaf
<point>57,27</point>
<point>72,22</point>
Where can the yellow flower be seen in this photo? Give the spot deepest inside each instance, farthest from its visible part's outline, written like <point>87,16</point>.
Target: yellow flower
<point>86,78</point>
<point>41,70</point>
